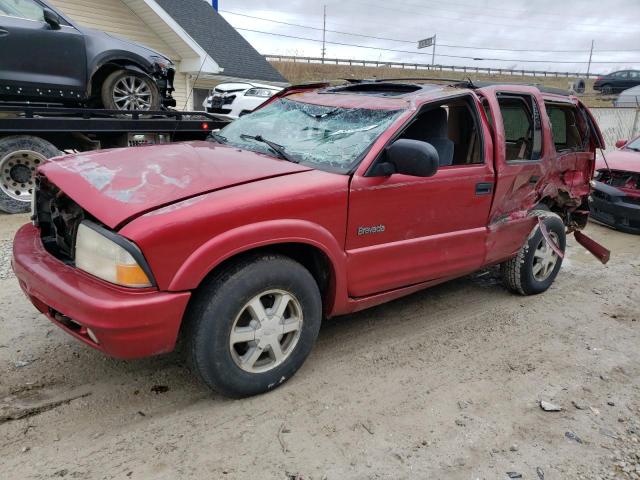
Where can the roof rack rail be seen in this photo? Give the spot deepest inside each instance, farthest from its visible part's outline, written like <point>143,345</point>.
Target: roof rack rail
<point>542,88</point>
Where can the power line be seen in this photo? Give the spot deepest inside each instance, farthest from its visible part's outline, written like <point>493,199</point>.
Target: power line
<point>534,26</point>
<point>412,42</point>
<point>502,10</point>
<point>423,53</point>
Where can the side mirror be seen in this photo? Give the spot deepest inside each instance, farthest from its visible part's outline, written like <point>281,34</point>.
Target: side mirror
<point>621,143</point>
<point>52,18</point>
<point>409,157</point>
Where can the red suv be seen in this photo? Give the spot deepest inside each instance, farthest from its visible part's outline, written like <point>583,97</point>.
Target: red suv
<point>325,201</point>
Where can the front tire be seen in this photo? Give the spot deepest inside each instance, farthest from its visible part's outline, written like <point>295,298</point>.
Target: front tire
<point>536,266</point>
<point>127,91</point>
<point>251,327</point>
<point>20,156</point>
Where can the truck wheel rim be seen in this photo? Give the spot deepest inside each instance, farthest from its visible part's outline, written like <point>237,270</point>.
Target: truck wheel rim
<point>266,331</point>
<point>16,173</point>
<point>545,259</point>
<point>132,93</point>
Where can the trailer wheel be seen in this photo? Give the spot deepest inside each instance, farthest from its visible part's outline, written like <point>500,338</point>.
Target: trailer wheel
<point>19,157</point>
<point>124,90</point>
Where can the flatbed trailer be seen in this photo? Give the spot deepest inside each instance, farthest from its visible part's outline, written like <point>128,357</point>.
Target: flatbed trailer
<point>32,134</point>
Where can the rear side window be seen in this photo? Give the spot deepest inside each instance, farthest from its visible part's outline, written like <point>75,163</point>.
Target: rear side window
<point>568,128</point>
<point>522,127</point>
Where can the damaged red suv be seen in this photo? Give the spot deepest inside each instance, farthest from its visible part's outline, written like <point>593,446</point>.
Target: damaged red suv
<point>325,201</point>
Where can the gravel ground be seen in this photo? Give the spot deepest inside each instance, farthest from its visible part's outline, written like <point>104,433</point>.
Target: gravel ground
<point>446,383</point>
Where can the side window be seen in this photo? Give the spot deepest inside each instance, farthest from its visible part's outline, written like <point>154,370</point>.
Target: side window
<point>569,130</point>
<point>635,75</point>
<point>27,9</point>
<point>452,128</point>
<point>522,127</point>
<point>620,75</point>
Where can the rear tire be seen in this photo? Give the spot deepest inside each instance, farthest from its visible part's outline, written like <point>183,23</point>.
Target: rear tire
<point>251,326</point>
<point>535,267</point>
<point>126,91</point>
<point>20,156</point>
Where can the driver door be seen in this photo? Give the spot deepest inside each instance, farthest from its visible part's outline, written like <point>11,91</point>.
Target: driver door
<point>405,230</point>
<point>38,61</point>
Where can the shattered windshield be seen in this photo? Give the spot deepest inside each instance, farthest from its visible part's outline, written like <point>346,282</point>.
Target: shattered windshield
<point>327,138</point>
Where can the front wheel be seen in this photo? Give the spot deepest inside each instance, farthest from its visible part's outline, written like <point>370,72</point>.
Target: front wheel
<point>536,266</point>
<point>251,327</point>
<point>124,90</point>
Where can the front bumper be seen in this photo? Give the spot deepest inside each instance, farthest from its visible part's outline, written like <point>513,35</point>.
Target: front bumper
<point>612,207</point>
<point>164,81</point>
<point>128,324</point>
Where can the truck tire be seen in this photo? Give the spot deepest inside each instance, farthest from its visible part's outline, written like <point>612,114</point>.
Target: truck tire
<point>20,155</point>
<point>125,90</point>
<point>250,327</point>
<point>536,266</point>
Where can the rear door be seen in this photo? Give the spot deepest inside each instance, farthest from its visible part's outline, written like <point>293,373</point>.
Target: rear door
<point>36,60</point>
<point>519,159</point>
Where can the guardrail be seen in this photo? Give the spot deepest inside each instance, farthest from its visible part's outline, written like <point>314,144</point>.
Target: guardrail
<point>429,67</point>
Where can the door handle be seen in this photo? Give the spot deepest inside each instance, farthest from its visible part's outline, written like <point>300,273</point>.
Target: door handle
<point>484,188</point>
<point>3,33</point>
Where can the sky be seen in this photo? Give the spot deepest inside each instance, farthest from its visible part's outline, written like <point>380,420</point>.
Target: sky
<point>545,26</point>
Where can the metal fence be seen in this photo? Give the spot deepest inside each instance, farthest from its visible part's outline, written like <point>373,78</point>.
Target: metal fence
<point>617,124</point>
<point>429,67</point>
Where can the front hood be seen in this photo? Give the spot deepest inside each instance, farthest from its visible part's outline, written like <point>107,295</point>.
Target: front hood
<point>117,185</point>
<point>625,160</point>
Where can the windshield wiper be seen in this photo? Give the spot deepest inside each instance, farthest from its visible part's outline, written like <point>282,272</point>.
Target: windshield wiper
<point>218,138</point>
<point>279,150</point>
<point>320,116</point>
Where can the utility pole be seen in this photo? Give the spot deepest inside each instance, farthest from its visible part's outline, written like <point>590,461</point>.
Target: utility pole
<point>590,55</point>
<point>324,34</point>
<point>433,53</point>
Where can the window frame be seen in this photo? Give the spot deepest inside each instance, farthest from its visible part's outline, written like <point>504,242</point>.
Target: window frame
<point>535,116</point>
<point>473,110</point>
<point>578,114</point>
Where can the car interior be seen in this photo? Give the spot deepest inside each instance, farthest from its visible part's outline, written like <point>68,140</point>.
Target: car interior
<point>567,133</point>
<point>451,127</point>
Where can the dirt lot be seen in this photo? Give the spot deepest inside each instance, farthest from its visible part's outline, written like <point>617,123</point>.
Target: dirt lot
<point>443,384</point>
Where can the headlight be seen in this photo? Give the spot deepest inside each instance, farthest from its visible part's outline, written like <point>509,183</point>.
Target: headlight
<point>110,257</point>
<point>259,92</point>
<point>161,61</point>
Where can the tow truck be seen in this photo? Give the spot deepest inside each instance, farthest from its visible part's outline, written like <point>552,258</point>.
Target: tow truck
<point>31,135</point>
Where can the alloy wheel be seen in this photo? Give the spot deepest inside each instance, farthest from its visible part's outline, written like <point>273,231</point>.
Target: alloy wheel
<point>266,331</point>
<point>132,93</point>
<point>545,258</point>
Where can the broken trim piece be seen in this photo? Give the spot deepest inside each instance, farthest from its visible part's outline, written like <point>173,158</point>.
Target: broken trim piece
<point>593,247</point>
<point>548,239</point>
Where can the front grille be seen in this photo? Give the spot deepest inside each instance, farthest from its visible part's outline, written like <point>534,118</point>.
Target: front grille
<point>58,218</point>
<point>620,179</point>
<point>602,195</point>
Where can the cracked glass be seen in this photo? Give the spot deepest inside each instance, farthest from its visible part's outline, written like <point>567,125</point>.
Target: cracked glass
<point>323,137</point>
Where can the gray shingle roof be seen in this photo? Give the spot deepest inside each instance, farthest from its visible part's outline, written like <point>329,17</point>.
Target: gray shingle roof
<point>220,40</point>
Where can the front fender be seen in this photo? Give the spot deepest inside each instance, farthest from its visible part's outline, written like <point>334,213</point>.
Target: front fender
<point>249,237</point>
